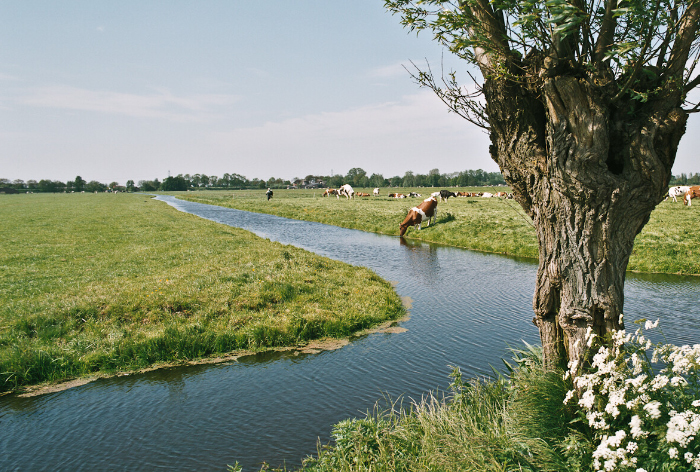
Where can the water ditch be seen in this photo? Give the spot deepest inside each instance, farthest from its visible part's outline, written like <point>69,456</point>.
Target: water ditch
<point>467,308</point>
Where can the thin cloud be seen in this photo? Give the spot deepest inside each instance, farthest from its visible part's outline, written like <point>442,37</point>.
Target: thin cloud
<point>389,71</point>
<point>416,133</point>
<point>163,105</point>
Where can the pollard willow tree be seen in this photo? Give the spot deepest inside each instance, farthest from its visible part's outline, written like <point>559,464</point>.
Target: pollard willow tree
<point>585,102</point>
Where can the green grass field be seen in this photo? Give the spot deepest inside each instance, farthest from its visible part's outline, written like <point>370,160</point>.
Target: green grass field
<point>668,243</point>
<point>100,283</point>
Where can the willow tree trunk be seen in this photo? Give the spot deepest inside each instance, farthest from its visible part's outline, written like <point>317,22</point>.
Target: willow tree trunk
<point>589,173</point>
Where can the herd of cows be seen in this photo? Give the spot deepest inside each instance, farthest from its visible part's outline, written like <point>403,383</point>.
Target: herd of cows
<point>418,214</point>
<point>348,192</point>
<point>426,211</point>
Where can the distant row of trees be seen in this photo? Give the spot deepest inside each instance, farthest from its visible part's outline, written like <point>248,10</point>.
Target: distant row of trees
<point>683,179</point>
<point>356,177</point>
<point>54,186</point>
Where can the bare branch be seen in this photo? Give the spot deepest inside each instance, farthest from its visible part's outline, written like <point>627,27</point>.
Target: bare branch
<point>463,104</point>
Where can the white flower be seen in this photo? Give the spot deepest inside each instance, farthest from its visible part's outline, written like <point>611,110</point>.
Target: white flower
<point>649,325</point>
<point>676,381</point>
<point>660,381</point>
<point>641,470</point>
<point>652,409</point>
<point>682,427</point>
<point>673,453</point>
<point>636,428</point>
<point>568,397</point>
<point>587,400</point>
<point>696,403</point>
<point>688,456</point>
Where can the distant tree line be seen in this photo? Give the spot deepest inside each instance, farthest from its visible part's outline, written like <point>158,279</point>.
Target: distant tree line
<point>356,177</point>
<point>683,179</point>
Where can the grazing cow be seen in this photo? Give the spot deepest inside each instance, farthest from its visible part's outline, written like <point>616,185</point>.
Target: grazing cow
<point>414,194</point>
<point>269,193</point>
<point>677,191</point>
<point>445,194</point>
<point>347,191</point>
<point>329,192</point>
<point>376,192</point>
<point>693,192</point>
<point>416,215</point>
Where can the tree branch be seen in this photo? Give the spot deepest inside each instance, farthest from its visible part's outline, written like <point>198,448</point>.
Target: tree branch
<point>687,34</point>
<point>607,32</point>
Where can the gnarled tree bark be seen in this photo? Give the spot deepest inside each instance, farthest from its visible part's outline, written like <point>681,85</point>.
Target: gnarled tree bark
<point>589,174</point>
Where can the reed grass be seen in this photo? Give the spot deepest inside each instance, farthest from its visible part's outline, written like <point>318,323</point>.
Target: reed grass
<point>516,422</point>
<point>667,244</point>
<point>101,283</point>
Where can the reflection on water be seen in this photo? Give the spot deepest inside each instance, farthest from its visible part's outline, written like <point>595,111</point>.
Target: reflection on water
<point>466,309</point>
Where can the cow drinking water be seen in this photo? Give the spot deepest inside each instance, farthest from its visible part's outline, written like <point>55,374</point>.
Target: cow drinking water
<point>416,215</point>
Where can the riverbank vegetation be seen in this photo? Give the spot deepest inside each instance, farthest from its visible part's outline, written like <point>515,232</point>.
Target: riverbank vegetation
<point>665,245</point>
<point>98,284</point>
<point>635,408</point>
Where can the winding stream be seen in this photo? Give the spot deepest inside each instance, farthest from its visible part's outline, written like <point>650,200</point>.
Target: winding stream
<point>467,308</point>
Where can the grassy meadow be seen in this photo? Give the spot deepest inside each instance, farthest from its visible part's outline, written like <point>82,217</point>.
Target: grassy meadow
<point>103,283</point>
<point>667,244</point>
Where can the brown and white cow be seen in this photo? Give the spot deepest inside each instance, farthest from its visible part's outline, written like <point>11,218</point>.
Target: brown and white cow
<point>693,192</point>
<point>329,192</point>
<point>375,192</point>
<point>418,214</point>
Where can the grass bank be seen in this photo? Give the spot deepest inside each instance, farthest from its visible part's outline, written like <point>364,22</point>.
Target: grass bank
<point>100,283</point>
<point>511,423</point>
<point>666,244</point>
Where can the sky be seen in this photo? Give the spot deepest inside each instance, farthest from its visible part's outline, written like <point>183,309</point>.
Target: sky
<point>138,90</point>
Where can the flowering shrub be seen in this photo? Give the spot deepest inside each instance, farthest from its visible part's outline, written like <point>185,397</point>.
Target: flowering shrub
<point>641,414</point>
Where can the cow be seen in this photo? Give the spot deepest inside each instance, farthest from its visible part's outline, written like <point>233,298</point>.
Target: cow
<point>375,192</point>
<point>677,191</point>
<point>445,194</point>
<point>347,191</point>
<point>464,194</point>
<point>329,192</point>
<point>414,194</point>
<point>501,194</point>
<point>486,195</point>
<point>362,194</point>
<point>269,193</point>
<point>416,215</point>
<point>397,195</point>
<point>693,192</point>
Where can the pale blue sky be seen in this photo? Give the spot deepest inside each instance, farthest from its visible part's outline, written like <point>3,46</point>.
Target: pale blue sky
<point>123,90</point>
